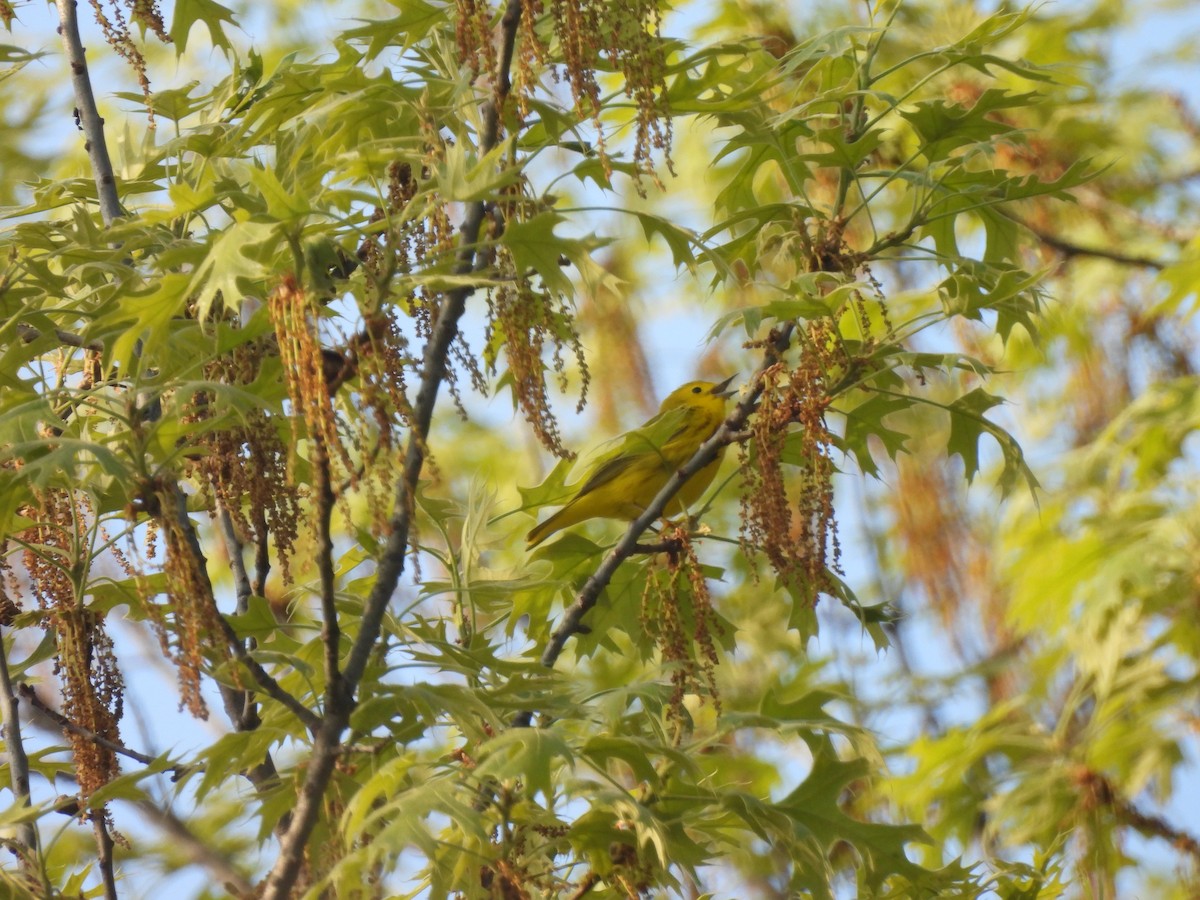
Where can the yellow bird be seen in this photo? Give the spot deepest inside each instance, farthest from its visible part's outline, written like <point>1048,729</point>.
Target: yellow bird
<point>622,484</point>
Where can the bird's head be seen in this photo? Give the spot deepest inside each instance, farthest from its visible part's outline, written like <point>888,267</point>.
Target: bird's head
<point>707,395</point>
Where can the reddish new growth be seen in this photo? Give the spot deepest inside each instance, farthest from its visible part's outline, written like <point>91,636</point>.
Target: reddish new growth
<point>116,32</point>
<point>294,316</point>
<point>197,620</point>
<point>245,466</point>
<point>523,317</point>
<point>92,687</point>
<point>677,613</point>
<point>592,35</point>
<point>799,539</point>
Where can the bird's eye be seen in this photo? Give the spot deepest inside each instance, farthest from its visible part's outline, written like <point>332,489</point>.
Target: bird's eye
<point>696,390</point>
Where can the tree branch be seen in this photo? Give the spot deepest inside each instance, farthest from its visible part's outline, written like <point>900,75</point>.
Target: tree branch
<point>239,704</point>
<point>18,764</point>
<point>104,848</point>
<point>1070,249</point>
<point>1150,825</point>
<point>331,635</point>
<point>586,886</point>
<point>233,549</point>
<point>200,853</point>
<point>87,114</point>
<point>29,334</point>
<point>287,867</point>
<point>30,696</point>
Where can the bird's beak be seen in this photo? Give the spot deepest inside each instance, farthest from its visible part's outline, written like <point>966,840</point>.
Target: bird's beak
<point>719,389</point>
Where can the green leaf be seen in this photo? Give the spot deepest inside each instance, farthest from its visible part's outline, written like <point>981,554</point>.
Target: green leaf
<point>843,153</point>
<point>464,178</point>
<point>536,248</point>
<point>680,241</point>
<point>529,754</point>
<point>415,21</point>
<point>945,127</point>
<point>128,786</point>
<point>152,315</point>
<point>967,425</point>
<point>211,13</point>
<point>233,266</point>
<point>866,421</point>
<point>815,811</point>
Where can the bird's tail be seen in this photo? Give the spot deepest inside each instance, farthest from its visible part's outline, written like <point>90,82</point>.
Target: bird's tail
<point>539,533</point>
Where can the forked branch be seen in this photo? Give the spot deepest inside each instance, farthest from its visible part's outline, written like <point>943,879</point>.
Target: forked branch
<point>287,867</point>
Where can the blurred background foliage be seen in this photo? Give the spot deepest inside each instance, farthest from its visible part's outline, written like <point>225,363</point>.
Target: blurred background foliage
<point>996,693</point>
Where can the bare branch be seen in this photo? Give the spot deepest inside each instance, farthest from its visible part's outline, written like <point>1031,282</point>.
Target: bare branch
<point>29,334</point>
<point>391,563</point>
<point>104,847</point>
<point>30,696</point>
<point>175,828</point>
<point>331,635</point>
<point>18,764</point>
<point>1148,824</point>
<point>262,553</point>
<point>585,886</point>
<point>239,704</point>
<point>1070,249</point>
<point>233,549</point>
<point>200,853</point>
<point>87,113</point>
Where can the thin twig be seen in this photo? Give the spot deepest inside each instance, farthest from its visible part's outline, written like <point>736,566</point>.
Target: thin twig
<point>29,334</point>
<point>660,547</point>
<point>233,881</point>
<point>29,695</point>
<point>18,764</point>
<point>178,830</point>
<point>1150,825</point>
<point>331,635</point>
<point>287,866</point>
<point>104,852</point>
<point>239,704</point>
<point>585,886</point>
<point>233,549</point>
<point>1070,249</point>
<point>87,114</point>
<point>262,553</point>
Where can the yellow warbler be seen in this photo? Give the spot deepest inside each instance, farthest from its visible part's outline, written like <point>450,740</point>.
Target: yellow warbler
<point>622,484</point>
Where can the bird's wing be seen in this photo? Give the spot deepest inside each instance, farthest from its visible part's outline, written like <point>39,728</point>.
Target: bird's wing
<point>606,471</point>
<point>637,446</point>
